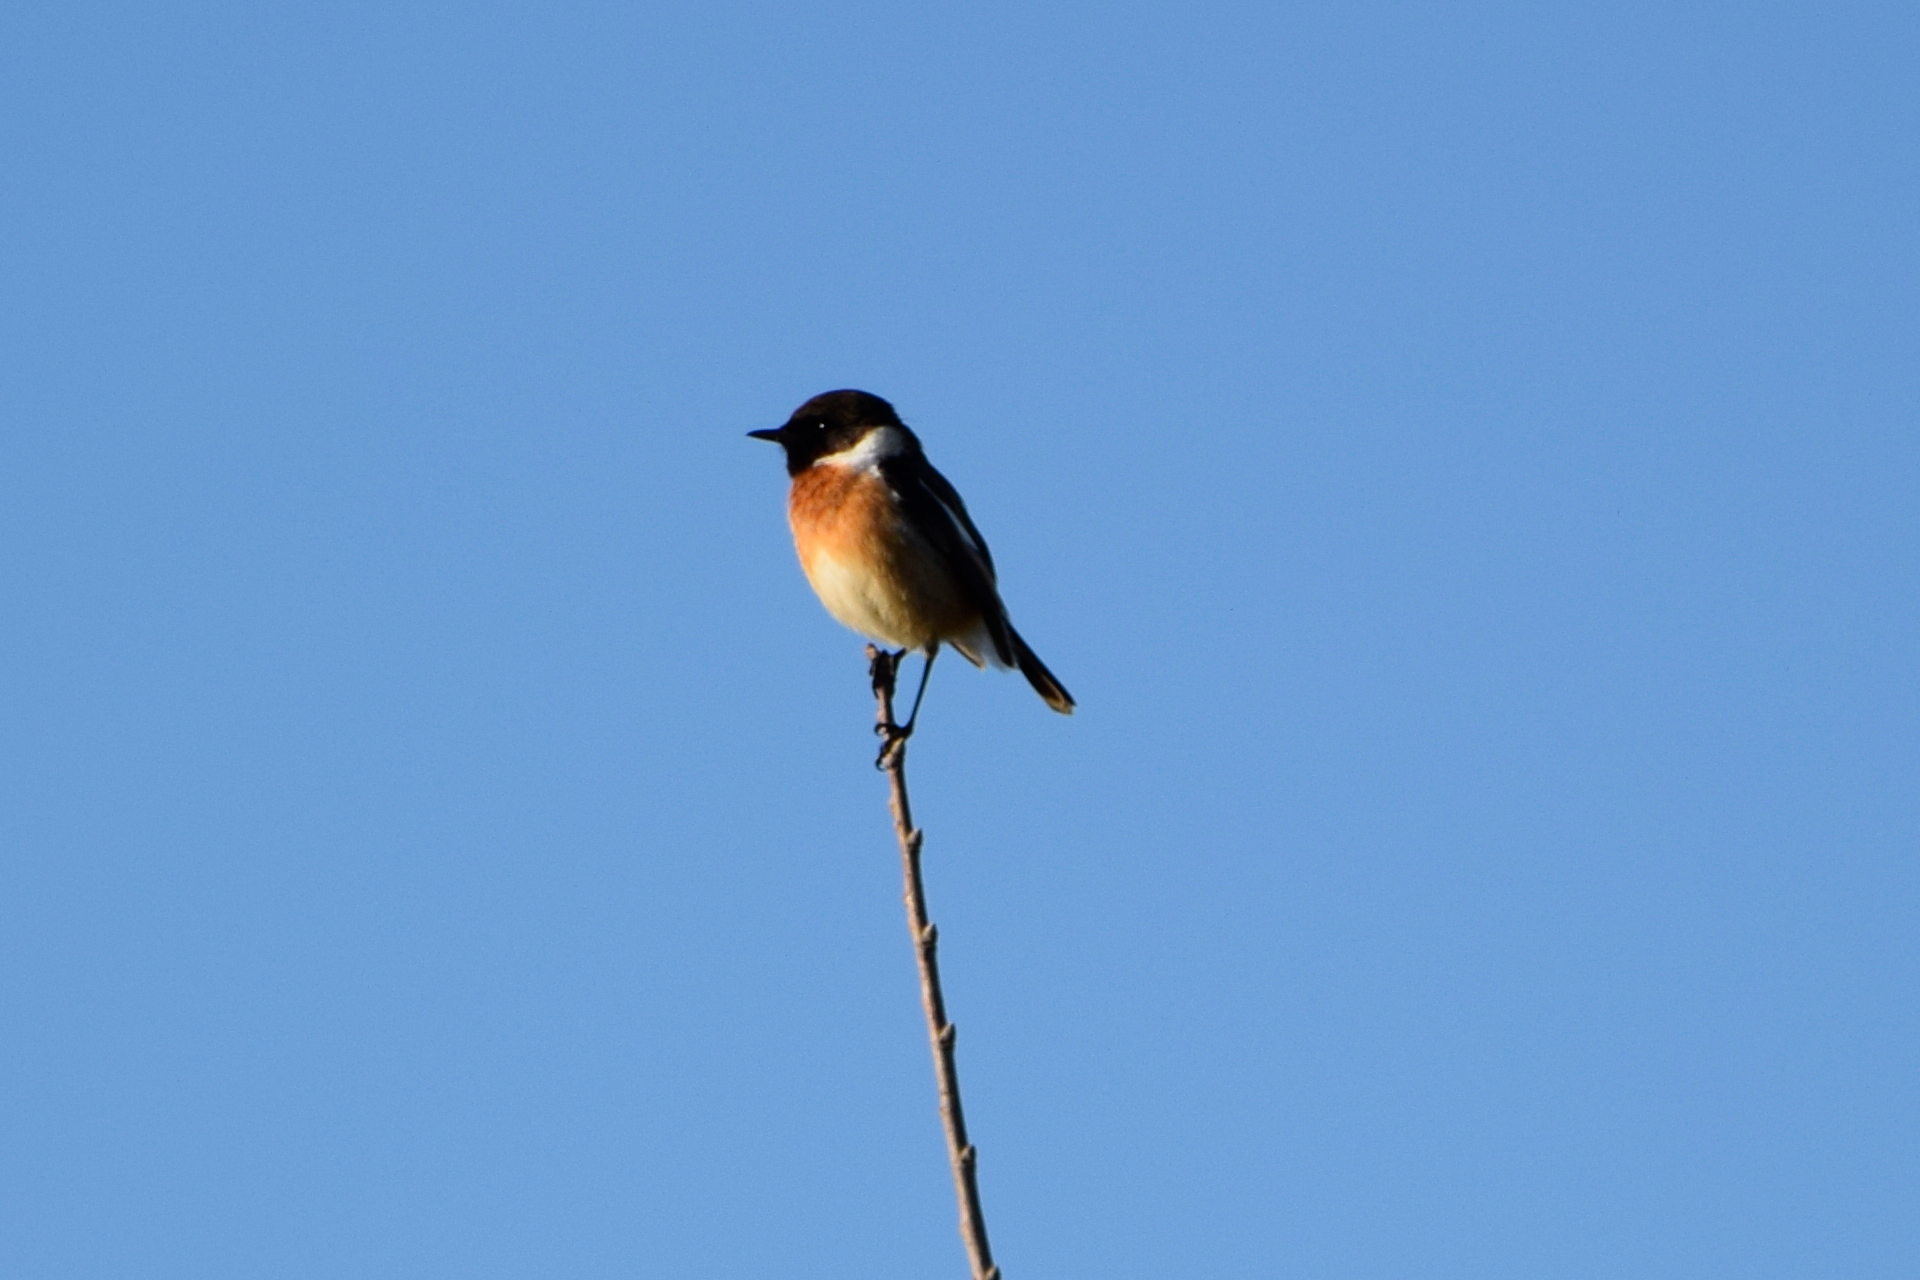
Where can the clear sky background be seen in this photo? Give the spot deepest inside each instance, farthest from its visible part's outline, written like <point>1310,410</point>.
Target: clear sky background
<point>1462,458</point>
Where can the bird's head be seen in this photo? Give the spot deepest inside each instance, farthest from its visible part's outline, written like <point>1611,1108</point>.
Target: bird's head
<point>835,422</point>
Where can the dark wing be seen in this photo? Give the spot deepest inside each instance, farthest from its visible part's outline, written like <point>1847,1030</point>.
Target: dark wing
<point>949,498</point>
<point>932,506</point>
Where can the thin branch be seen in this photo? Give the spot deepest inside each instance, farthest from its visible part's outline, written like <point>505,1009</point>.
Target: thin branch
<point>960,1153</point>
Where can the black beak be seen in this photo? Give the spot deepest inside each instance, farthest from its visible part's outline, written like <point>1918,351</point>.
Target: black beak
<point>771,433</point>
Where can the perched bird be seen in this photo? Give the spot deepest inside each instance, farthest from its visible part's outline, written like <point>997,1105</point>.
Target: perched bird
<point>888,545</point>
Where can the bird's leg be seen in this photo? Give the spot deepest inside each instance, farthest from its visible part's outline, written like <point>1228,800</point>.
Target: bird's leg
<point>926,669</point>
<point>895,734</point>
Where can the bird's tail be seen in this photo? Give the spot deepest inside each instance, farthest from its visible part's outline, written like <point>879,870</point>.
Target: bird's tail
<point>1038,676</point>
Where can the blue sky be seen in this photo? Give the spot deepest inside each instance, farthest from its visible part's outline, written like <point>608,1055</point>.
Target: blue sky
<point>1462,459</point>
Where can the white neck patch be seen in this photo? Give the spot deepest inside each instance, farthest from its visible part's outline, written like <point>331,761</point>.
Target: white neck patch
<point>881,442</point>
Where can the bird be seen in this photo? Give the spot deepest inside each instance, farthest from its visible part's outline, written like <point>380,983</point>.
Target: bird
<point>888,546</point>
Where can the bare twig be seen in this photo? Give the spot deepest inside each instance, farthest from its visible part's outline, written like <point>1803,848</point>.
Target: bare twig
<point>960,1153</point>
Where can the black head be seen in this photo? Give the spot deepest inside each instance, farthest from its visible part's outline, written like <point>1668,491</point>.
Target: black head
<point>828,424</point>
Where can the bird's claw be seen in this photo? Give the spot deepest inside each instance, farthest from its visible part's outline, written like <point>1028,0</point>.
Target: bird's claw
<point>892,736</point>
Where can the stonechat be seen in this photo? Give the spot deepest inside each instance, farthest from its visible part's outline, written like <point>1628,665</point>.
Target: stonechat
<point>889,546</point>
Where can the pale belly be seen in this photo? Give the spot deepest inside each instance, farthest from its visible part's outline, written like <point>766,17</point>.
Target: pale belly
<point>871,603</point>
